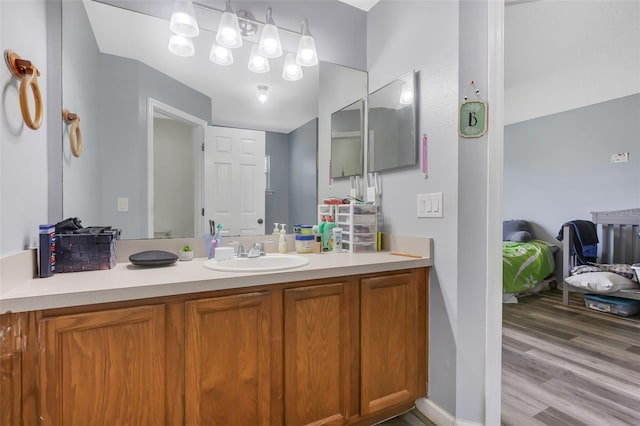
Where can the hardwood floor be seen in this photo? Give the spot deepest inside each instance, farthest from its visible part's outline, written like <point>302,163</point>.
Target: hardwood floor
<point>567,365</point>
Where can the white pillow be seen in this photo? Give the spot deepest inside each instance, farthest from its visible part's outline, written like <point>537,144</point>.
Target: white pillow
<point>600,282</point>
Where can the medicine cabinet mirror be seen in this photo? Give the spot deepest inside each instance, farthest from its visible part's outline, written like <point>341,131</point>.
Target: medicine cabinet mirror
<point>347,140</point>
<point>392,139</point>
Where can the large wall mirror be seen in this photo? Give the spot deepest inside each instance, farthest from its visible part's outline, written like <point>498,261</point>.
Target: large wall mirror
<point>145,113</point>
<point>347,140</point>
<point>392,125</point>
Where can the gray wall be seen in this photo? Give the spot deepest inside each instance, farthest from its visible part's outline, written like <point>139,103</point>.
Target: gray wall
<point>303,174</point>
<point>557,168</point>
<point>430,31</point>
<point>276,205</point>
<point>23,152</point>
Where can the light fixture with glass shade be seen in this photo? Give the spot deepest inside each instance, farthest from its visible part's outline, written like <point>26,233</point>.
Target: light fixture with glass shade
<point>220,55</point>
<point>183,19</point>
<point>229,31</point>
<point>181,46</point>
<point>258,63</point>
<point>306,56</point>
<point>270,46</point>
<point>406,94</point>
<point>291,71</point>
<point>262,93</point>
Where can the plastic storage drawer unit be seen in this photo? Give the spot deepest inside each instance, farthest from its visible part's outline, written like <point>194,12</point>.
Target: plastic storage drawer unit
<point>613,305</point>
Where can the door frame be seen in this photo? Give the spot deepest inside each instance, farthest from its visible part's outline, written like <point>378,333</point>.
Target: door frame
<point>155,106</point>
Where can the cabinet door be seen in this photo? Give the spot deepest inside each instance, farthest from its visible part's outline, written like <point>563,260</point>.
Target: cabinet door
<point>318,353</point>
<point>10,378</point>
<point>228,361</point>
<point>103,368</point>
<point>389,342</point>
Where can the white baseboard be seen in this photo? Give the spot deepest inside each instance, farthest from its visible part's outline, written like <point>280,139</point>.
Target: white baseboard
<point>439,415</point>
<point>435,413</point>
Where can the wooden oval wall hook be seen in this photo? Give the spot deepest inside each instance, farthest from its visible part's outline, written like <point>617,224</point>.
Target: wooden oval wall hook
<point>27,74</point>
<point>75,134</point>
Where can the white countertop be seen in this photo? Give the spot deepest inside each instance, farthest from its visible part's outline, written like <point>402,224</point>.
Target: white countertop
<point>128,282</point>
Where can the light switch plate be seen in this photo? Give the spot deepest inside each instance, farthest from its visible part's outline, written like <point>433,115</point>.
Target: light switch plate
<point>429,205</point>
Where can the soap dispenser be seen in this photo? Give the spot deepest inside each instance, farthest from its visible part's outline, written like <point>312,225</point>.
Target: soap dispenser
<point>276,231</point>
<point>282,242</point>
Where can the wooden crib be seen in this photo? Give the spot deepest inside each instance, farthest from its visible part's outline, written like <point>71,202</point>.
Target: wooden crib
<point>620,243</point>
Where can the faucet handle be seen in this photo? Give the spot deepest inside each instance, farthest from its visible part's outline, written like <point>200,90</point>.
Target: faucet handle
<point>259,247</point>
<point>241,251</point>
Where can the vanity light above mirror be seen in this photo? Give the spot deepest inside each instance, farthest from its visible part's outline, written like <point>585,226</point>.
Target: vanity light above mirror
<point>231,30</point>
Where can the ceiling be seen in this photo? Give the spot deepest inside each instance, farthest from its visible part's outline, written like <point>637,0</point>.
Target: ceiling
<point>232,88</point>
<point>365,5</point>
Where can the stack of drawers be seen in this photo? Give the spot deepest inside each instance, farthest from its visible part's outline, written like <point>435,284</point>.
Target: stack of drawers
<point>359,223</point>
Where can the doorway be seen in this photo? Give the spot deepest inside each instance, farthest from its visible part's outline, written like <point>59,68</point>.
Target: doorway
<point>175,172</point>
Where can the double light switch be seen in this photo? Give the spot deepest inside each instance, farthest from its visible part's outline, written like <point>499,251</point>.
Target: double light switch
<point>430,205</point>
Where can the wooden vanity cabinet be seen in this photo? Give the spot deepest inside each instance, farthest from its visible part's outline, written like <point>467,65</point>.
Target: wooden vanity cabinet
<point>228,360</point>
<point>320,353</point>
<point>390,342</point>
<point>342,351</point>
<point>103,368</point>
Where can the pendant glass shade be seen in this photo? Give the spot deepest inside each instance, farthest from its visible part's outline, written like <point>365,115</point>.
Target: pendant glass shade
<point>257,62</point>
<point>306,56</point>
<point>220,55</point>
<point>181,46</point>
<point>270,46</point>
<point>229,31</point>
<point>291,71</point>
<point>406,94</point>
<point>262,94</point>
<point>183,19</point>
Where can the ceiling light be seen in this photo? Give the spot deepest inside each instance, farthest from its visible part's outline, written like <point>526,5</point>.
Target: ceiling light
<point>183,19</point>
<point>406,94</point>
<point>220,55</point>
<point>181,46</point>
<point>257,62</point>
<point>291,71</point>
<point>262,94</point>
<point>229,31</point>
<point>270,46</point>
<point>307,56</point>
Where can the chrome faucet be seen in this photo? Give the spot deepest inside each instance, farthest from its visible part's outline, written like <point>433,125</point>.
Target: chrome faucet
<point>256,250</point>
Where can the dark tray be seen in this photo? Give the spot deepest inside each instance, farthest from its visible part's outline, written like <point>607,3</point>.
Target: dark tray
<point>153,258</point>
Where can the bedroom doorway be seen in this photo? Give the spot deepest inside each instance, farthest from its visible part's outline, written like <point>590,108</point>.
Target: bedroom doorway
<point>550,350</point>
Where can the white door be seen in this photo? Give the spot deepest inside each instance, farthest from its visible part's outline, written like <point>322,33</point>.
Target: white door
<point>234,180</point>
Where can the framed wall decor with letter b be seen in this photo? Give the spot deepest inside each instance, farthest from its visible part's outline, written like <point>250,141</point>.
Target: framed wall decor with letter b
<point>473,119</point>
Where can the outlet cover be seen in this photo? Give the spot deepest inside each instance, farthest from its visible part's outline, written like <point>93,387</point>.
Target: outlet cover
<point>621,157</point>
<point>123,204</point>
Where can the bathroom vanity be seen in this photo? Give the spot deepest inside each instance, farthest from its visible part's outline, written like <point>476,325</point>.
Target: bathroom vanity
<point>342,340</point>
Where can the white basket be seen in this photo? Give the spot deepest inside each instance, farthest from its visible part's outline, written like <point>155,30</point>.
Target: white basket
<point>636,267</point>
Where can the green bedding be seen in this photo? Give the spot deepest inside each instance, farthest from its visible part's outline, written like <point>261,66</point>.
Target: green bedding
<point>525,265</point>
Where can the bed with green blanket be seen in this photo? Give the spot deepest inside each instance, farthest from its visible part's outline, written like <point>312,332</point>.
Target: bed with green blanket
<point>525,265</point>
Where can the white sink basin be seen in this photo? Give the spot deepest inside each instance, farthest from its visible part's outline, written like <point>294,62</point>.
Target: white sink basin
<point>270,262</point>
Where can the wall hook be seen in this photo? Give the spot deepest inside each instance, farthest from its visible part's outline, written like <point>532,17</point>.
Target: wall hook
<point>75,135</point>
<point>27,74</point>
